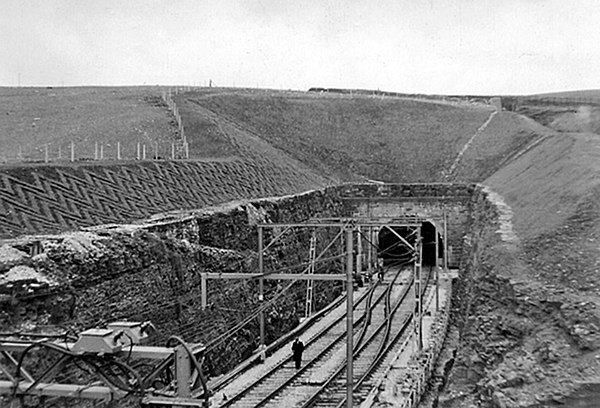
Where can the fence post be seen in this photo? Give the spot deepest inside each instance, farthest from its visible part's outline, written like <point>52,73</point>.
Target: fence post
<point>72,151</point>
<point>118,150</point>
<point>143,152</point>
<point>101,151</point>
<point>138,150</point>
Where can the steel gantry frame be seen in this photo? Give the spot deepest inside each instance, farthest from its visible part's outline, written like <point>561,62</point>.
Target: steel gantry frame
<point>189,386</point>
<point>347,227</point>
<point>114,347</point>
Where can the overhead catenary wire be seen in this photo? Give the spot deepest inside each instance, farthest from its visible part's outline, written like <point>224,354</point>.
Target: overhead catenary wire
<point>268,304</point>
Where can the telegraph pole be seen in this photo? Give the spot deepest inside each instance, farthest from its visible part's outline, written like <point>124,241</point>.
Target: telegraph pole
<point>349,318</point>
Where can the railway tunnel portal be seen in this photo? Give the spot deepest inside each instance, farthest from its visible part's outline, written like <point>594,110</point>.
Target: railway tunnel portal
<point>392,243</point>
<point>106,263</point>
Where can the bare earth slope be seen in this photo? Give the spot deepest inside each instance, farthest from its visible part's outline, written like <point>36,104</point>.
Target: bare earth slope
<point>533,328</point>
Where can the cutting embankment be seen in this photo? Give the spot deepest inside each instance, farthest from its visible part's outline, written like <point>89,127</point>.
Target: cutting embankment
<point>243,144</point>
<point>351,138</point>
<point>529,322</point>
<point>530,333</point>
<point>61,196</point>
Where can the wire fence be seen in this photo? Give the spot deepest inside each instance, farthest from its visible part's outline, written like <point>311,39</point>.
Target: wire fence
<point>116,150</point>
<point>98,151</point>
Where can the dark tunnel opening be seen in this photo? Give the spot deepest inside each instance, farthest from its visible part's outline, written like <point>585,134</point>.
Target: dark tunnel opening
<point>393,250</point>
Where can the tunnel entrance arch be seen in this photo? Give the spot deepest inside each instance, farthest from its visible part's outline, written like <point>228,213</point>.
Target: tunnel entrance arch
<point>392,249</point>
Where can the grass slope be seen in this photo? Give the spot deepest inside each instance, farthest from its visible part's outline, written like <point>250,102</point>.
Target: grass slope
<point>388,139</point>
<point>545,185</point>
<point>505,136</point>
<point>31,118</point>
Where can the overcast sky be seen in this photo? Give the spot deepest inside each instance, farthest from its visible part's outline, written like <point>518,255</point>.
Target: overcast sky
<point>428,46</point>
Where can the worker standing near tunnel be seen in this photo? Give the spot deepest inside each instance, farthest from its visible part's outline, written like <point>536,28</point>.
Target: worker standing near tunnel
<point>298,349</point>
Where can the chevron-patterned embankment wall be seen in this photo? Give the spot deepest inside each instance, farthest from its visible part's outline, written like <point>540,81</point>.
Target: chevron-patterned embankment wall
<point>48,199</point>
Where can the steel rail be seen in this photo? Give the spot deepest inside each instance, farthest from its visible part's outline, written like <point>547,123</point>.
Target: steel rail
<point>364,319</point>
<point>340,338</point>
<point>386,347</point>
<point>313,400</point>
<point>368,296</point>
<point>385,324</point>
<point>284,361</point>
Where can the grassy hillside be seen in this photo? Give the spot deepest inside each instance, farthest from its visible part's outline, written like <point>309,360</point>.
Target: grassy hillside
<point>546,185</point>
<point>565,118</point>
<point>31,118</point>
<point>583,93</point>
<point>506,135</point>
<point>289,141</point>
<point>387,139</point>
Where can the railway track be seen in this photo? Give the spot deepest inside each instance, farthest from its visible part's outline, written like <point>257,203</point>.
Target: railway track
<point>369,358</point>
<point>325,352</point>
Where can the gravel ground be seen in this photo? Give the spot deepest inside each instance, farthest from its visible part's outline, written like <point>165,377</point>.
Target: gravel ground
<point>283,353</point>
<point>316,375</point>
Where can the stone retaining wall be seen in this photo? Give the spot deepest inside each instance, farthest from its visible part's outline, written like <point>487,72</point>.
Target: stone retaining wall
<point>151,271</point>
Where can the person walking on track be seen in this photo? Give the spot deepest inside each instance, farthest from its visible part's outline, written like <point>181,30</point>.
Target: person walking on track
<point>297,349</point>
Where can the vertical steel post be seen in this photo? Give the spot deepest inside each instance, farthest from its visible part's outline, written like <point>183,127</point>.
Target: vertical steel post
<point>437,269</point>
<point>343,266</point>
<point>144,151</point>
<point>203,290</point>
<point>46,153</point>
<point>138,151</point>
<point>101,151</point>
<point>370,253</point>
<point>95,150</point>
<point>72,151</point>
<point>118,150</point>
<point>349,318</point>
<point>417,315</point>
<point>359,252</point>
<point>420,253</point>
<point>261,295</point>
<point>183,371</point>
<point>445,242</point>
